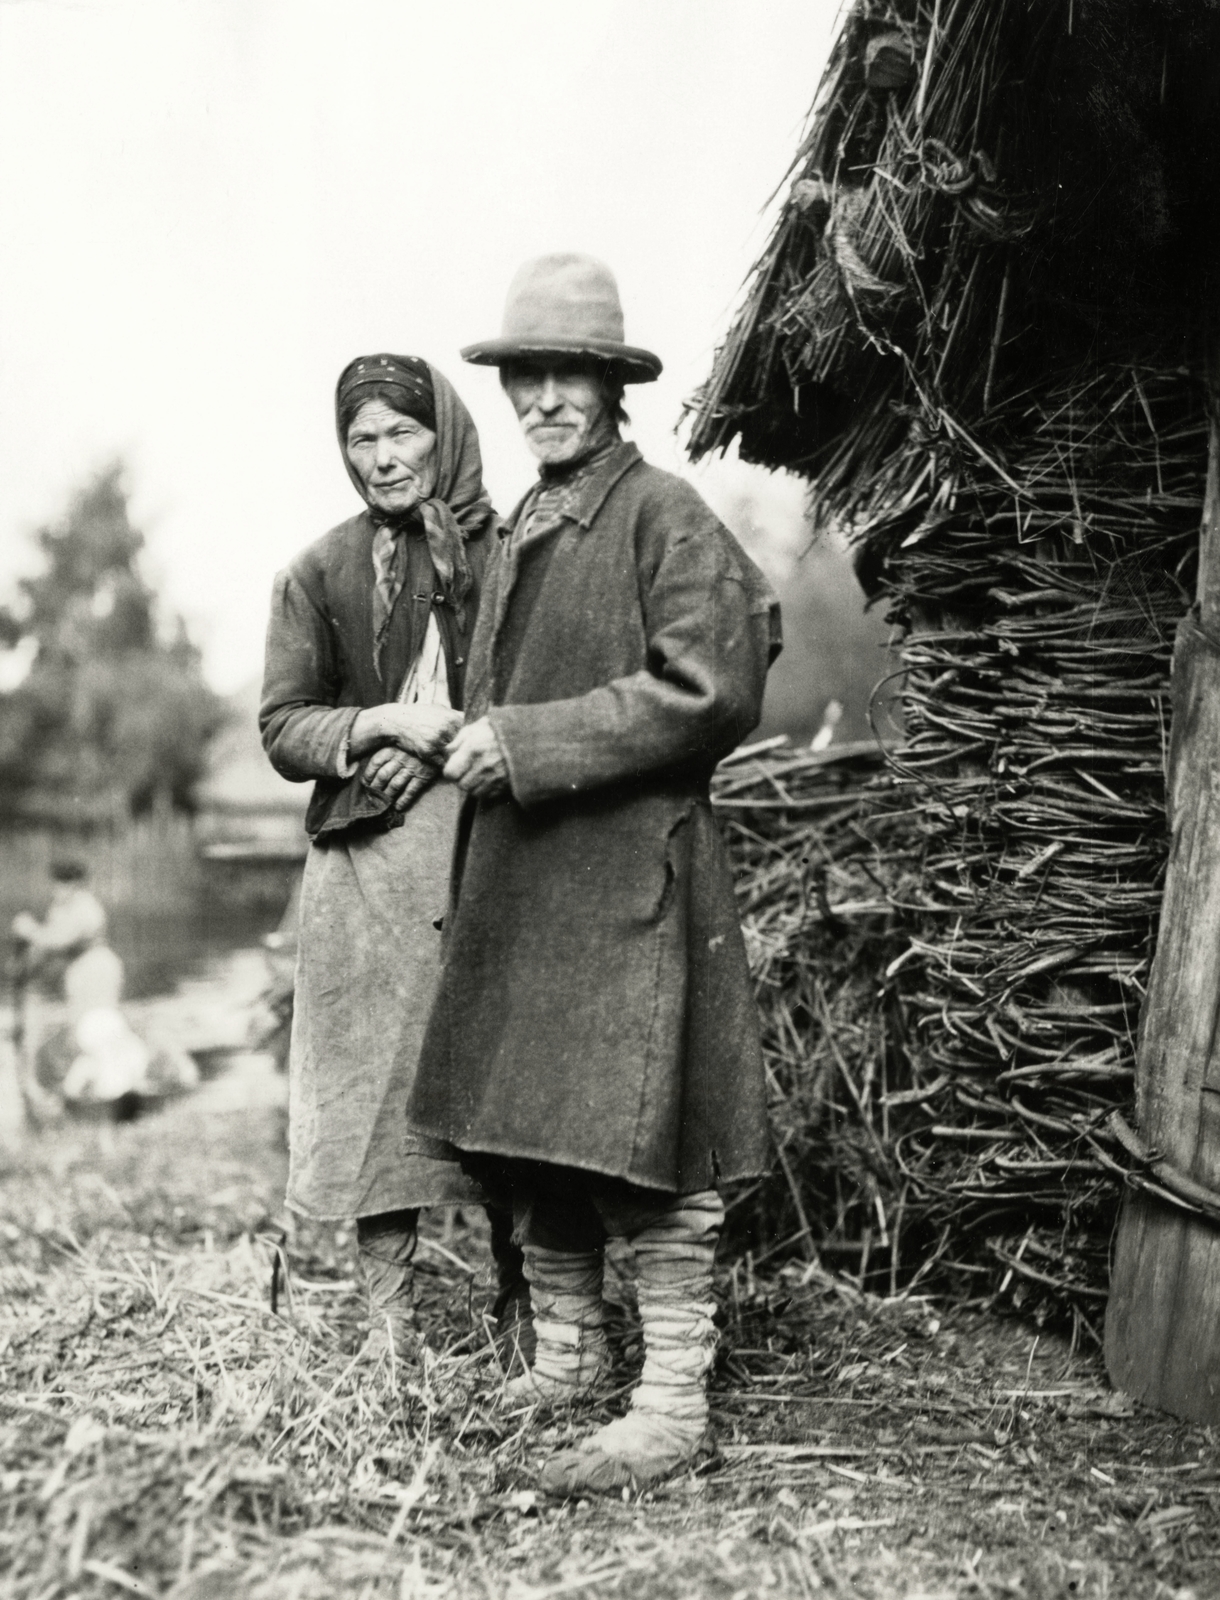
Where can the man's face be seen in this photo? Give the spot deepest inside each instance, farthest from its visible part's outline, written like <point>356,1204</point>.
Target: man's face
<point>394,457</point>
<point>561,407</point>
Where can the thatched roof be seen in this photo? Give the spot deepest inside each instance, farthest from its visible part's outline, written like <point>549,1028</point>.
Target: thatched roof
<point>986,188</point>
<point>976,330</point>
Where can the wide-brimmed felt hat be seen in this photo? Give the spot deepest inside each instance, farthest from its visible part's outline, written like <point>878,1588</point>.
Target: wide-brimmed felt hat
<point>565,305</point>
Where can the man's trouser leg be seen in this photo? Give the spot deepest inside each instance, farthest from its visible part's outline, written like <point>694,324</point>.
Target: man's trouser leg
<point>564,1242</point>
<point>386,1252</point>
<point>674,1242</point>
<point>511,1307</point>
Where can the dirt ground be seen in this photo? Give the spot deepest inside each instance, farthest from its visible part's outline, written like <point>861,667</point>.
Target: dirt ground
<point>163,1433</point>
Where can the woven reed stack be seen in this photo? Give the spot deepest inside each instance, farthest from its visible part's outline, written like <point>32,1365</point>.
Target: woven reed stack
<point>975,331</point>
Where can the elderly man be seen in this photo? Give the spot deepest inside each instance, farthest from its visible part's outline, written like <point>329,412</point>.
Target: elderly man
<point>593,1052</point>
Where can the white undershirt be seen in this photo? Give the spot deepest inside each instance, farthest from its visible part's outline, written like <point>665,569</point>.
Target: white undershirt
<point>427,683</point>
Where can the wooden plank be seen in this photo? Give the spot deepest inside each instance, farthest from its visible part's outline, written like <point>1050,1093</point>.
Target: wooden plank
<point>1163,1318</point>
<point>1207,589</point>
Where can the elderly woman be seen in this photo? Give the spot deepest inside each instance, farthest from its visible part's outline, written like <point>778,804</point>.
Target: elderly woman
<point>366,656</point>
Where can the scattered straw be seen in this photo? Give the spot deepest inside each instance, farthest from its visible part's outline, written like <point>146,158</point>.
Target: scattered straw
<point>154,1434</point>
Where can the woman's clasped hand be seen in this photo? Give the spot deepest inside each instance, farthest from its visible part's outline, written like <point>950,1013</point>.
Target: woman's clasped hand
<point>406,747</point>
<point>397,777</point>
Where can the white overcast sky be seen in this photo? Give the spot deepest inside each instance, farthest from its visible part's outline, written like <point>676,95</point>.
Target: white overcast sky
<point>207,207</point>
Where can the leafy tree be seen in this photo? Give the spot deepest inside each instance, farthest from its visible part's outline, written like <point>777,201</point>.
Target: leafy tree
<point>113,716</point>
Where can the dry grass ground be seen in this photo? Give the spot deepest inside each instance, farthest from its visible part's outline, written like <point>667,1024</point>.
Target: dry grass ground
<point>162,1433</point>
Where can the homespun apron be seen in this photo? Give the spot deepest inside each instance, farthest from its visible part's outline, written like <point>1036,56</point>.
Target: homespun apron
<point>367,969</point>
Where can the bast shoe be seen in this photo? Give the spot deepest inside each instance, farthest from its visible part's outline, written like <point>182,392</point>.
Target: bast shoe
<point>666,1429</point>
<point>386,1258</point>
<point>394,1336</point>
<point>535,1387</point>
<point>633,1452</point>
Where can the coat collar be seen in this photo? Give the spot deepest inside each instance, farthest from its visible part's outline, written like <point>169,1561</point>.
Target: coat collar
<point>596,491</point>
<point>593,494</point>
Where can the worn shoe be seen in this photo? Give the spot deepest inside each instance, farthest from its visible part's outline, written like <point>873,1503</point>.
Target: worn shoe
<point>386,1255</point>
<point>631,1452</point>
<point>395,1337</point>
<point>538,1387</point>
<point>515,1341</point>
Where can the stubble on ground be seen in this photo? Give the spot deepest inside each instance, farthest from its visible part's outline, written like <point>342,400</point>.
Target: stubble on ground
<point>164,1433</point>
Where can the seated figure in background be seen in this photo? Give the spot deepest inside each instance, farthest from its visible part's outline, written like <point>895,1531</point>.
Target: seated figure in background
<point>76,1044</point>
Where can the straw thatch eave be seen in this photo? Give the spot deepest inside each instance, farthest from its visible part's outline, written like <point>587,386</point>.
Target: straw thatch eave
<point>984,185</point>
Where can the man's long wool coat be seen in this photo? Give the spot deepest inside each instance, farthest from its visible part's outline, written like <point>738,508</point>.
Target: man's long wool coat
<point>595,1008</point>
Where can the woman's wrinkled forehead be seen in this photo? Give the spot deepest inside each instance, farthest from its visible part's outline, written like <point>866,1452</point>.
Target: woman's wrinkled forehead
<point>405,382</point>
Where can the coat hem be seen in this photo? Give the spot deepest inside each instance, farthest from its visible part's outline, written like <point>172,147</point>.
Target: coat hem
<point>298,1209</point>
<point>552,1159</point>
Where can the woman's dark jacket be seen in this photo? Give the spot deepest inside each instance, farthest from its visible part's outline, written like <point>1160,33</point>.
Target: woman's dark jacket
<point>319,667</point>
<point>595,1009</point>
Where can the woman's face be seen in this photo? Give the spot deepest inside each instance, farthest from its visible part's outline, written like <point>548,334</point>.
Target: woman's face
<point>393,456</point>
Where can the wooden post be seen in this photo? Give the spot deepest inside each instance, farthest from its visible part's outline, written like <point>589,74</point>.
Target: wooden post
<point>1163,1318</point>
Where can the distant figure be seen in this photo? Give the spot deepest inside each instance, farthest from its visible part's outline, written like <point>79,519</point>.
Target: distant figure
<point>831,718</point>
<point>75,1042</point>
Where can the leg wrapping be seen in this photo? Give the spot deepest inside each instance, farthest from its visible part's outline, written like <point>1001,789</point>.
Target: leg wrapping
<point>666,1427</point>
<point>386,1253</point>
<point>571,1353</point>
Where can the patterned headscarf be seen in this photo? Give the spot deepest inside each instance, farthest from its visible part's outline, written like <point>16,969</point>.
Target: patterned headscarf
<point>405,380</point>
<point>459,508</point>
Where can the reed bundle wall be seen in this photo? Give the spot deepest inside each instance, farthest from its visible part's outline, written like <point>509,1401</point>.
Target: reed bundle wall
<point>976,331</point>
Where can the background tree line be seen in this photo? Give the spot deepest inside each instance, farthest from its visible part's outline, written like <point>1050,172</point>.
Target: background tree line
<point>113,718</point>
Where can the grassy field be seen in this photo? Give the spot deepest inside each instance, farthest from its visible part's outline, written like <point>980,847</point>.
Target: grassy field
<point>163,1433</point>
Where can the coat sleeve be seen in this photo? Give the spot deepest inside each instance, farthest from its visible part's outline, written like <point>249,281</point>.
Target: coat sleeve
<point>302,728</point>
<point>711,624</point>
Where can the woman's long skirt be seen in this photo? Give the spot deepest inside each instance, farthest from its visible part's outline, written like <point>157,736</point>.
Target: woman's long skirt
<point>367,967</point>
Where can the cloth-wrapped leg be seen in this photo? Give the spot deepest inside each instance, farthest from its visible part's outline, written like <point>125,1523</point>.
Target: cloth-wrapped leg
<point>571,1355</point>
<point>666,1427</point>
<point>386,1253</point>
